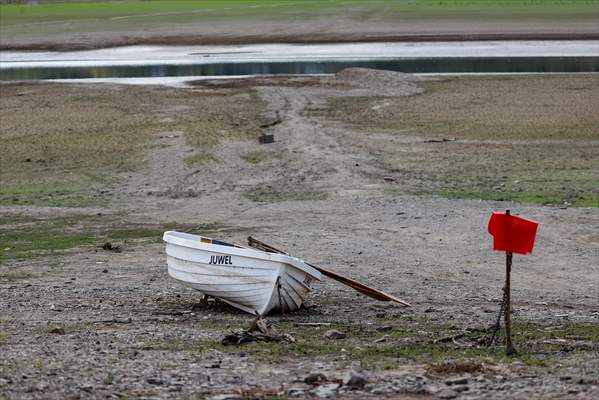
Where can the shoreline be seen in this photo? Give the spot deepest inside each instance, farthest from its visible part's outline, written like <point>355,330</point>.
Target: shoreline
<point>219,40</point>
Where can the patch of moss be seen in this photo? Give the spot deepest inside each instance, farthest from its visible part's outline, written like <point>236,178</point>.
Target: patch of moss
<point>63,191</point>
<point>54,235</point>
<point>199,159</point>
<point>255,157</point>
<point>3,337</point>
<point>11,276</point>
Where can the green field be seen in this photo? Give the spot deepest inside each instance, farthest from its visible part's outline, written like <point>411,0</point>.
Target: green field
<point>76,24</point>
<point>66,10</point>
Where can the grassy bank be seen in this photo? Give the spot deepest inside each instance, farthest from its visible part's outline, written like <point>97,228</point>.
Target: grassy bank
<point>528,139</point>
<point>192,10</point>
<point>77,24</point>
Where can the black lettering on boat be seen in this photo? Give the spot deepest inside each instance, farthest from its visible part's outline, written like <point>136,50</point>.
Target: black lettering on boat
<point>220,260</point>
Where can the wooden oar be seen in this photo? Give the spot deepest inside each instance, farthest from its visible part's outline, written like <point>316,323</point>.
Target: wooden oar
<point>360,287</point>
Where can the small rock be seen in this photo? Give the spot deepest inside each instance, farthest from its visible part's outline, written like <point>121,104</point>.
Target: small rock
<point>4,382</point>
<point>314,378</point>
<point>382,339</point>
<point>154,381</point>
<point>380,390</point>
<point>457,381</point>
<point>326,390</point>
<point>104,271</point>
<point>58,330</point>
<point>333,334</point>
<point>447,394</point>
<point>226,396</point>
<point>355,380</point>
<point>109,247</point>
<point>461,388</point>
<point>386,328</point>
<point>295,392</point>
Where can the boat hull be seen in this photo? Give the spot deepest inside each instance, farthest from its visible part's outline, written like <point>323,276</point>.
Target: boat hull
<point>250,280</point>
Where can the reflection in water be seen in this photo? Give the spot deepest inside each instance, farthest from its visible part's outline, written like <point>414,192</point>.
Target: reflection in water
<point>430,65</point>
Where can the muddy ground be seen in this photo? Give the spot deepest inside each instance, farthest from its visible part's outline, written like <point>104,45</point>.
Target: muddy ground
<point>78,321</point>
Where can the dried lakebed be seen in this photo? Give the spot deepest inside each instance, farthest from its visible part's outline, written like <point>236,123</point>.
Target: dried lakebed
<point>359,195</point>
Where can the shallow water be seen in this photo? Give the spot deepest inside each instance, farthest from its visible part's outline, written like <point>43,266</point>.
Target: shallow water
<point>429,57</point>
<point>436,65</point>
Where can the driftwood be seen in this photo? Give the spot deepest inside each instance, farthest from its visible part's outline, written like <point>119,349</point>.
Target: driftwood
<point>316,324</point>
<point>259,331</point>
<point>360,287</point>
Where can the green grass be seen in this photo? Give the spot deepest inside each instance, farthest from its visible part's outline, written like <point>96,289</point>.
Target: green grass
<point>71,24</point>
<point>26,238</point>
<point>77,190</point>
<point>64,11</point>
<point>415,342</point>
<point>108,378</point>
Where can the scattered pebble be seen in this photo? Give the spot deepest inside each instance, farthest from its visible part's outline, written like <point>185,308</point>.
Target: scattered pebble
<point>386,328</point>
<point>382,339</point>
<point>57,330</point>
<point>315,377</point>
<point>355,380</point>
<point>326,390</point>
<point>447,394</point>
<point>333,334</point>
<point>457,381</point>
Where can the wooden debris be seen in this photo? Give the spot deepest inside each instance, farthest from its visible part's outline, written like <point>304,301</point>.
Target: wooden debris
<point>259,331</point>
<point>312,324</point>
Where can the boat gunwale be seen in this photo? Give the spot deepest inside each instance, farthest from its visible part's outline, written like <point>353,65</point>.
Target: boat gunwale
<point>176,238</point>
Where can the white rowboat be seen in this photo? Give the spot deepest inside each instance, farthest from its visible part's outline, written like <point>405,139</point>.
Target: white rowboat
<point>251,280</point>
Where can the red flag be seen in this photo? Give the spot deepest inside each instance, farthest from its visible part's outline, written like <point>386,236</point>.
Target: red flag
<point>512,234</point>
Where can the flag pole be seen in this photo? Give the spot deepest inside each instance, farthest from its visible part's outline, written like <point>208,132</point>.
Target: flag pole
<point>509,347</point>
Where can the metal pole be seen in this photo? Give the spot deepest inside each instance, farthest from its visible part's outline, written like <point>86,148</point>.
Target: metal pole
<point>509,347</point>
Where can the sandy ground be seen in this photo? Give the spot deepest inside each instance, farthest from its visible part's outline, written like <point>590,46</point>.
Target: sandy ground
<point>97,324</point>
